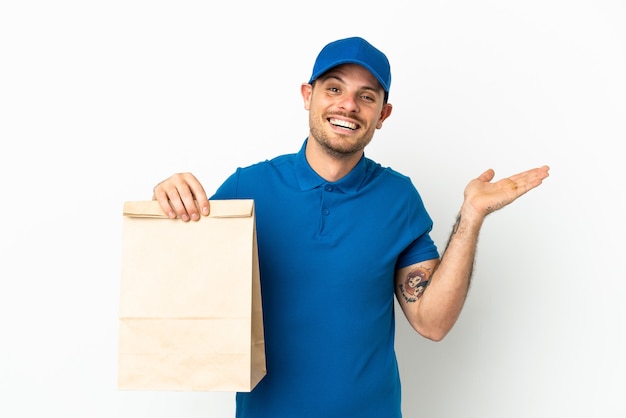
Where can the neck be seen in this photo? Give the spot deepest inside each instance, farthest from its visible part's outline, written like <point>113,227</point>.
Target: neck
<point>326,164</point>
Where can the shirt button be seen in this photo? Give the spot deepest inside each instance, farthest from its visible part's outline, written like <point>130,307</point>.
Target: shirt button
<point>325,211</point>
<point>329,188</point>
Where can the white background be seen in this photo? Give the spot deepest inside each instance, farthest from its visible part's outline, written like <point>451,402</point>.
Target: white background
<point>100,100</point>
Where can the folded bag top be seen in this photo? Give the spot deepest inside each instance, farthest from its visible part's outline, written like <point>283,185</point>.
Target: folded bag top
<point>236,208</point>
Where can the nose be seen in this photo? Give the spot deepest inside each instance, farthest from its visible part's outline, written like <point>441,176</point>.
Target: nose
<point>349,103</point>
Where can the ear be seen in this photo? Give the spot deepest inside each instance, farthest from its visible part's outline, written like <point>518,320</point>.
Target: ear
<point>384,114</point>
<point>306,90</point>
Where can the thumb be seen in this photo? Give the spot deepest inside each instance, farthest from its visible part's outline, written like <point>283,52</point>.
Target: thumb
<point>487,176</point>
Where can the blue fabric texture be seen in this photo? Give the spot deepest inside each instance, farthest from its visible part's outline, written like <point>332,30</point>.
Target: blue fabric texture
<point>328,252</point>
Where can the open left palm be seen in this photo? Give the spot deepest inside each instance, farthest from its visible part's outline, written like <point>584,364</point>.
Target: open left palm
<point>487,196</point>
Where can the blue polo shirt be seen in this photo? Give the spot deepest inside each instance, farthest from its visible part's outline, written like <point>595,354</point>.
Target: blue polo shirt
<point>327,253</point>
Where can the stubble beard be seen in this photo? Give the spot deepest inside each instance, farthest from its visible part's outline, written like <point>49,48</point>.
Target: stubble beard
<point>337,148</point>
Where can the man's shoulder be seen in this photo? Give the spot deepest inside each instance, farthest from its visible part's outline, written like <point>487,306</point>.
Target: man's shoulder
<point>270,163</point>
<point>385,173</point>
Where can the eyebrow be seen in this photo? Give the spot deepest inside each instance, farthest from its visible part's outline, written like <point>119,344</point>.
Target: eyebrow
<point>331,75</point>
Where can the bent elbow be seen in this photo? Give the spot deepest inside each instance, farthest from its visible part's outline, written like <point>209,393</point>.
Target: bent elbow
<point>435,336</point>
<point>433,333</point>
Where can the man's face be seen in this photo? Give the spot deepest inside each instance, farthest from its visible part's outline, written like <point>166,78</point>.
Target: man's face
<point>345,108</point>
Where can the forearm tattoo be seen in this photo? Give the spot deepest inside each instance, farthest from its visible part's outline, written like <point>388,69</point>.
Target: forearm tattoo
<point>415,283</point>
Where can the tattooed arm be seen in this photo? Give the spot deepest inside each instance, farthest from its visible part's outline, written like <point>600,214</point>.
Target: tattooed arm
<point>432,293</point>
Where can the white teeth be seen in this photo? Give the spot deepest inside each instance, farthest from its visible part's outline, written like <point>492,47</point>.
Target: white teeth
<point>343,123</point>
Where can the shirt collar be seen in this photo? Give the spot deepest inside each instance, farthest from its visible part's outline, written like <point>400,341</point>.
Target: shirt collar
<point>308,179</point>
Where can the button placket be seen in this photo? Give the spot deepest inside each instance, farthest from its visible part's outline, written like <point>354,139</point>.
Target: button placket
<point>327,189</point>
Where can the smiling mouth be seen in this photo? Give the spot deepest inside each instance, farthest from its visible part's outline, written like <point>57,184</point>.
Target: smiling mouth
<point>343,124</point>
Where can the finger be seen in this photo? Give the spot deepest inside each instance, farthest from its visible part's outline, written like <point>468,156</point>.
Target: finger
<point>193,196</point>
<point>169,195</point>
<point>530,179</point>
<point>176,196</point>
<point>201,198</point>
<point>487,176</point>
<point>160,195</point>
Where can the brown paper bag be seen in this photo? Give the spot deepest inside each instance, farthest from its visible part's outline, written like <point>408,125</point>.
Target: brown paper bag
<point>190,300</point>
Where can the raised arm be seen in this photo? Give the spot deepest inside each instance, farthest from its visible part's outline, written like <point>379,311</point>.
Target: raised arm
<point>432,293</point>
<point>182,196</point>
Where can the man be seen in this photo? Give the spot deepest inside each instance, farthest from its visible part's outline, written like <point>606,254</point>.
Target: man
<point>338,237</point>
